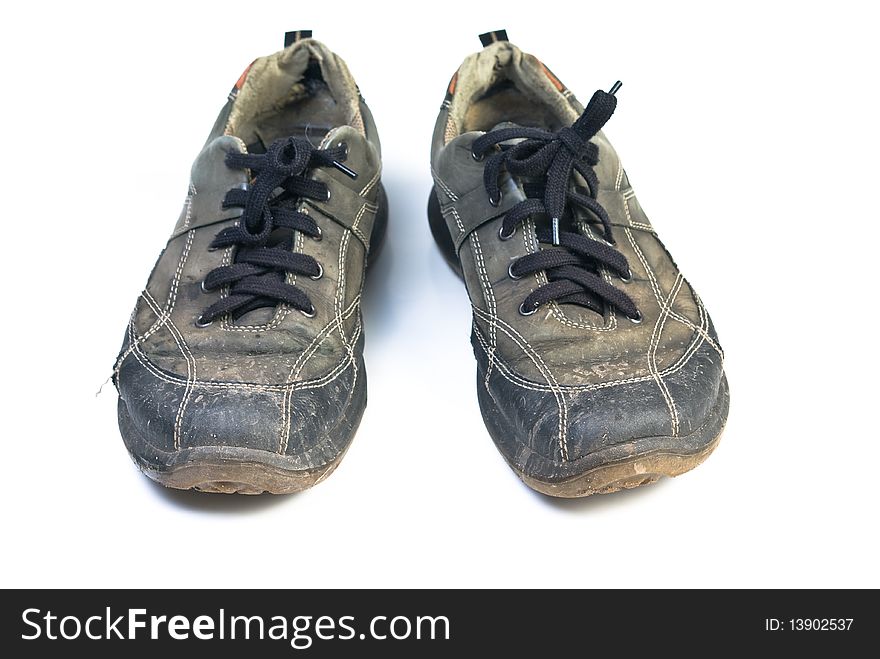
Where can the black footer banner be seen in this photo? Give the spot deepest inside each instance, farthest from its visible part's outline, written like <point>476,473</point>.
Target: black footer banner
<point>426,623</point>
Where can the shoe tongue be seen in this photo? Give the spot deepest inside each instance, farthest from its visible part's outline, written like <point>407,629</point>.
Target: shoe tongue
<point>508,124</point>
<point>505,124</point>
<point>311,132</point>
<point>301,81</point>
<point>361,158</point>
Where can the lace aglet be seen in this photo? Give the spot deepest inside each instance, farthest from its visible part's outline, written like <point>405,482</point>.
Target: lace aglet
<point>555,230</point>
<point>617,85</point>
<point>345,170</point>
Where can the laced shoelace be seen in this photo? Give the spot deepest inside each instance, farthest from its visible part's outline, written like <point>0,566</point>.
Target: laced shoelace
<point>545,161</point>
<point>264,256</point>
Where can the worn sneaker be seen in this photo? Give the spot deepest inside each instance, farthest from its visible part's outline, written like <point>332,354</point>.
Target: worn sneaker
<point>597,365</point>
<point>242,369</point>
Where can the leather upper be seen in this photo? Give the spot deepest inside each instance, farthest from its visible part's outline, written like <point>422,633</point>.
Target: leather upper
<point>283,345</point>
<point>563,359</point>
<point>273,379</point>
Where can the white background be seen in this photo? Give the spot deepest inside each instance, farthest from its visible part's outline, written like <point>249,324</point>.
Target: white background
<point>751,136</point>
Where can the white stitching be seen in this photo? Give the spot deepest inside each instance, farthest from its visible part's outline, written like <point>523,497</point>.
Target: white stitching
<point>319,338</point>
<point>243,386</point>
<point>629,219</point>
<point>341,368</point>
<point>704,318</point>
<point>175,283</point>
<point>338,299</point>
<point>190,368</point>
<point>665,309</point>
<point>501,370</point>
<point>513,377</point>
<point>653,345</point>
<point>630,194</point>
<point>488,293</point>
<point>449,193</point>
<point>657,294</point>
<point>188,204</point>
<point>169,305</point>
<point>372,182</point>
<point>458,222</point>
<point>360,234</point>
<point>342,269</point>
<point>655,287</point>
<point>338,321</point>
<point>543,369</point>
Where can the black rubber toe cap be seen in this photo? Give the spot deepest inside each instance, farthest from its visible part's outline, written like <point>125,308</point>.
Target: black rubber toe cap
<point>553,435</point>
<point>309,424</point>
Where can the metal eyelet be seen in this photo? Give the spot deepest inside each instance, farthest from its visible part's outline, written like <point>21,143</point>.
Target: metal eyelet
<point>504,236</point>
<point>319,237</point>
<point>496,202</point>
<point>635,320</point>
<point>628,278</point>
<point>344,144</point>
<point>526,312</point>
<point>510,272</point>
<point>478,158</point>
<point>201,323</point>
<point>309,314</point>
<point>320,273</point>
<point>327,198</point>
<point>204,289</point>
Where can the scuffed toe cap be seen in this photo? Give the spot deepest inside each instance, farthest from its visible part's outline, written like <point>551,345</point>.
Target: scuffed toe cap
<point>308,424</point>
<point>555,433</point>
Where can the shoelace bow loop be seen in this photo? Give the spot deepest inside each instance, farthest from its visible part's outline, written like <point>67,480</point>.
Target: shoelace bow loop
<point>257,277</point>
<point>545,162</point>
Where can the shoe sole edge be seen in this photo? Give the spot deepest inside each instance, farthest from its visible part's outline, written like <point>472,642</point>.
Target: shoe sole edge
<point>223,469</point>
<point>207,470</point>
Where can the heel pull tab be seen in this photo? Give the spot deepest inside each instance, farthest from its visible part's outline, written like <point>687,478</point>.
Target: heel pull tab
<point>489,38</point>
<point>291,38</point>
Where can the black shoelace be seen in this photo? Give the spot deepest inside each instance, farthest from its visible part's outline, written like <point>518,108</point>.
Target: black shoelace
<point>263,255</point>
<point>545,162</point>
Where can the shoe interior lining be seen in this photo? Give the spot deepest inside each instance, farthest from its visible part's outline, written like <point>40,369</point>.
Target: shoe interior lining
<point>501,83</point>
<point>304,91</point>
<point>504,101</point>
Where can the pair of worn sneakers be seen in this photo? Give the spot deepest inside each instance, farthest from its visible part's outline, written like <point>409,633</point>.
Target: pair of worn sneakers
<point>242,368</point>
